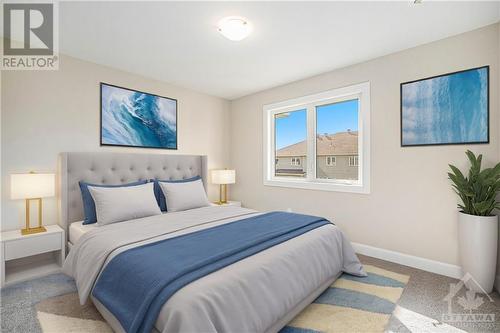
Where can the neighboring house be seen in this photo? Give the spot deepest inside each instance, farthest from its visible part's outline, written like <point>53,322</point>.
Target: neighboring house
<point>337,157</point>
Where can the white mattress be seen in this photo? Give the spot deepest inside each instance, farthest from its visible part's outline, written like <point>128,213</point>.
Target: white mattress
<point>77,229</point>
<point>251,295</point>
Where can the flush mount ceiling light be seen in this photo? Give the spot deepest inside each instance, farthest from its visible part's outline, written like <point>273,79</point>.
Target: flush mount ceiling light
<point>234,27</point>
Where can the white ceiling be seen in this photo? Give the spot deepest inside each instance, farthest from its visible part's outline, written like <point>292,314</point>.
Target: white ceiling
<point>178,42</point>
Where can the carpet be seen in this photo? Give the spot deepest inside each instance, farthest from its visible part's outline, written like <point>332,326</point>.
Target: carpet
<point>352,304</point>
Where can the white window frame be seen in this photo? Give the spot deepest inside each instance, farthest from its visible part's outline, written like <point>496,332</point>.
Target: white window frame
<point>359,91</point>
<point>354,159</point>
<point>295,161</point>
<point>333,160</point>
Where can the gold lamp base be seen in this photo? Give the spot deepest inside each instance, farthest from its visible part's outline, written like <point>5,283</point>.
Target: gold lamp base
<point>222,194</point>
<point>28,230</point>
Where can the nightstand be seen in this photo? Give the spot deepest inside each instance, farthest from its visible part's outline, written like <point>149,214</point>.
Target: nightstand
<point>229,203</point>
<point>30,256</point>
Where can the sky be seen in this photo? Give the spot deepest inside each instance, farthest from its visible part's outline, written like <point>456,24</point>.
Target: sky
<point>332,118</point>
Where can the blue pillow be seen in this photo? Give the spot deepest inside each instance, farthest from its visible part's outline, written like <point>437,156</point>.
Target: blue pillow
<point>88,201</point>
<point>160,197</point>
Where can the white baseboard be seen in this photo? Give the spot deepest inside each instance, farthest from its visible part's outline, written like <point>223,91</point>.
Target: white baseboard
<point>412,261</point>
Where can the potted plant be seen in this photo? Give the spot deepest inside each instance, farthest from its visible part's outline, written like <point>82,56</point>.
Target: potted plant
<point>477,225</point>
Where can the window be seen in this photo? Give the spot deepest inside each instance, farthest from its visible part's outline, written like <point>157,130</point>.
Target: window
<point>331,161</point>
<point>336,133</point>
<point>295,161</point>
<point>320,141</point>
<point>290,132</point>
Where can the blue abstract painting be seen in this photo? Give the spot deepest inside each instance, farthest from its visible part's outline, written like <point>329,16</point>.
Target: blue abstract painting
<point>137,119</point>
<point>447,109</point>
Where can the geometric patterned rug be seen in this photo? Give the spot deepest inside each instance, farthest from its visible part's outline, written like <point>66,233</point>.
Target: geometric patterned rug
<point>352,304</point>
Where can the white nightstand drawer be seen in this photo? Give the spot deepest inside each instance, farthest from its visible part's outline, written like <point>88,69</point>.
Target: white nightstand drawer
<point>32,245</point>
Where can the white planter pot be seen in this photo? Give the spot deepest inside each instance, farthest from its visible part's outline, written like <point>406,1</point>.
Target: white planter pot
<point>477,241</point>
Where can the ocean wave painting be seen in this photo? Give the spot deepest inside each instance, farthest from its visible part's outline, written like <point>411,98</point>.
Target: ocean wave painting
<point>448,109</point>
<point>138,119</point>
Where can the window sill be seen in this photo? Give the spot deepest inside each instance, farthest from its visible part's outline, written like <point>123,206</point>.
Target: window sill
<point>319,186</point>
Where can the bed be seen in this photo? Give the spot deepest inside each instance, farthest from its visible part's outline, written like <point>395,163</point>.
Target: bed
<point>258,293</point>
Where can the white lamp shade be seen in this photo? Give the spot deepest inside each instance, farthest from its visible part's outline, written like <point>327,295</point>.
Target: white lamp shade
<point>32,185</point>
<point>223,176</point>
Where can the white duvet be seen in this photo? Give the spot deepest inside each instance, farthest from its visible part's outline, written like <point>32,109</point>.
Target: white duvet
<point>256,294</point>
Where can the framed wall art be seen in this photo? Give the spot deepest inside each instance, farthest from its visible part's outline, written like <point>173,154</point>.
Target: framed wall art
<point>133,118</point>
<point>446,109</point>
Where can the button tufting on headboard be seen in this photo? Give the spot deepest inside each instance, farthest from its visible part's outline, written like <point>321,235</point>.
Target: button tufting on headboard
<point>118,168</point>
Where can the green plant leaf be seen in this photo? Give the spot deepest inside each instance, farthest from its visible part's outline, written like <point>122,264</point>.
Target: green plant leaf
<point>477,191</point>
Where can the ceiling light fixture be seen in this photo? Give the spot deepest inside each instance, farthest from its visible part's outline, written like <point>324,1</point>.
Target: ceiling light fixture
<point>234,27</point>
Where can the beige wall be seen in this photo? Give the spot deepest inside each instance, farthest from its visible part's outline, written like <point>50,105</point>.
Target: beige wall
<point>411,208</point>
<point>47,112</point>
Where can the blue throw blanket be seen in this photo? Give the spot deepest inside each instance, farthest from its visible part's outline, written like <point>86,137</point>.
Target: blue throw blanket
<point>136,283</point>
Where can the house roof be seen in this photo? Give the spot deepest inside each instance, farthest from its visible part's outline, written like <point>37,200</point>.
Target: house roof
<point>342,143</point>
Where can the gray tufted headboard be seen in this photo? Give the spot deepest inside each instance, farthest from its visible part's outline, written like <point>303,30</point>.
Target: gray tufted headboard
<point>117,168</point>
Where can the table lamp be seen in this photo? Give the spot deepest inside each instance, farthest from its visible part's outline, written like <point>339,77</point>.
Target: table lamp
<point>222,178</point>
<point>32,186</point>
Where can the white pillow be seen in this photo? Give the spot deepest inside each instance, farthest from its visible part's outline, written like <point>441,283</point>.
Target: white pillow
<point>116,204</point>
<point>183,196</point>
